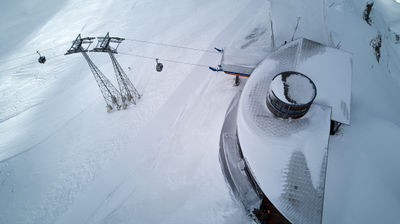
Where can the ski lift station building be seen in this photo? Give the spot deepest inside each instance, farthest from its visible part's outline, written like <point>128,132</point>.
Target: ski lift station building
<point>282,160</point>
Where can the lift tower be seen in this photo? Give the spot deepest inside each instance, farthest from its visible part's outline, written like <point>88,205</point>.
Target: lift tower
<point>128,91</point>
<point>110,93</point>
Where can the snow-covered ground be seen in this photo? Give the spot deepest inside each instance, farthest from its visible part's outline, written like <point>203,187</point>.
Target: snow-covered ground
<point>64,159</point>
<point>362,179</point>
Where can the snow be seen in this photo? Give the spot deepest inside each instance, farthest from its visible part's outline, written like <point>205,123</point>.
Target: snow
<point>308,15</point>
<point>242,61</point>
<point>271,147</point>
<point>300,89</point>
<point>333,79</point>
<point>330,69</point>
<point>243,57</point>
<point>148,164</point>
<point>360,185</point>
<point>387,23</point>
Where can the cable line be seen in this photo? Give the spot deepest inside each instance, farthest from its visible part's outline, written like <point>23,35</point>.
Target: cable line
<point>23,65</point>
<point>31,54</point>
<point>167,60</point>
<point>172,45</point>
<point>134,55</point>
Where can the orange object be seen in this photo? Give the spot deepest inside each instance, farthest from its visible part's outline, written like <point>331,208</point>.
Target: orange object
<point>230,73</point>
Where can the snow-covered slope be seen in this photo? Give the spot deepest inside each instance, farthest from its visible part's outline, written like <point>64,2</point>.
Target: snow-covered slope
<point>65,159</point>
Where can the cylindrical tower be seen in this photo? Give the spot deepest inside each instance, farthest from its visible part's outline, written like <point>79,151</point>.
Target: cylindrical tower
<point>291,94</point>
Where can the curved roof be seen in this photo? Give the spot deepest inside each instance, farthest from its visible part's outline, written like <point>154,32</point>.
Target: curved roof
<point>288,156</point>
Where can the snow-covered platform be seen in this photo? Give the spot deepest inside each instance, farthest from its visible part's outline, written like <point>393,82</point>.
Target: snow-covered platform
<point>241,62</point>
<point>287,158</point>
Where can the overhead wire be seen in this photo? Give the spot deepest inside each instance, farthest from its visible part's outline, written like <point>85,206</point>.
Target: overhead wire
<point>134,55</point>
<point>30,63</point>
<point>172,45</point>
<point>163,59</point>
<point>31,54</point>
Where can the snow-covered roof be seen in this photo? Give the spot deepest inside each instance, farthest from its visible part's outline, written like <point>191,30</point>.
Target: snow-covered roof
<point>329,68</point>
<point>242,60</point>
<point>287,156</point>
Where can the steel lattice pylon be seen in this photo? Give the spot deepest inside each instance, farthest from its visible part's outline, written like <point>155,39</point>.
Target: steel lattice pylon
<point>129,93</point>
<point>110,94</point>
<point>127,89</point>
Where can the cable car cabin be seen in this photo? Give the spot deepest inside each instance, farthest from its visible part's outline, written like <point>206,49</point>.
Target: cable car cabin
<point>239,62</point>
<point>159,66</point>
<point>41,59</point>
